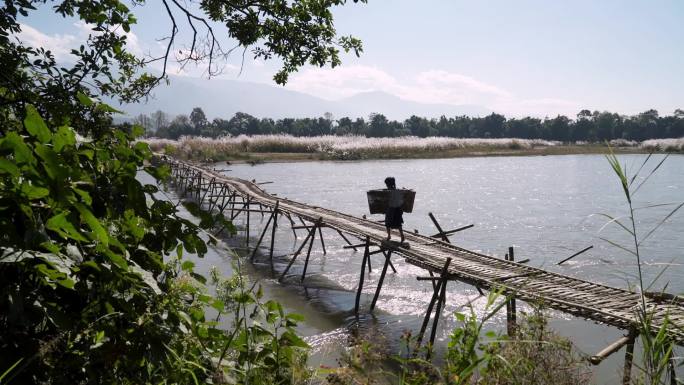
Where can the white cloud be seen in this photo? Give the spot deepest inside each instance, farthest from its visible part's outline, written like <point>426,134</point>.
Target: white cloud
<point>344,81</point>
<point>59,44</point>
<point>432,86</point>
<point>62,44</point>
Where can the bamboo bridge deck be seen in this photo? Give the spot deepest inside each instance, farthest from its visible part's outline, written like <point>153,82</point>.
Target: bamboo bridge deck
<point>589,300</point>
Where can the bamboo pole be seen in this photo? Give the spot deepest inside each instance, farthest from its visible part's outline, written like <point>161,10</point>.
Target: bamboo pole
<point>363,270</point>
<point>346,239</point>
<point>610,349</point>
<point>261,238</point>
<point>308,254</point>
<point>436,292</point>
<point>274,227</point>
<point>439,228</point>
<point>294,256</point>
<point>387,255</point>
<point>320,234</point>
<point>438,311</point>
<point>629,357</point>
<point>511,313</point>
<point>249,198</point>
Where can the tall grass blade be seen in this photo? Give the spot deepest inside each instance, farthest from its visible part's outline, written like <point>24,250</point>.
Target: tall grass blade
<point>650,174</point>
<point>661,223</point>
<point>619,246</point>
<point>614,220</point>
<point>640,168</point>
<point>657,277</point>
<point>656,205</point>
<point>617,168</point>
<point>6,372</point>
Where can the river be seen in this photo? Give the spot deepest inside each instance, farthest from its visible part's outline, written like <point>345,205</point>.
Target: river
<point>547,207</point>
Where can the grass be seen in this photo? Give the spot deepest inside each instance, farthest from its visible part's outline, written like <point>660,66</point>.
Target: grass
<point>534,355</point>
<point>290,148</point>
<point>658,360</point>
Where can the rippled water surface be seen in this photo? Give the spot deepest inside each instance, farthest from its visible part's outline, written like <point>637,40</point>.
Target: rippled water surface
<point>547,207</point>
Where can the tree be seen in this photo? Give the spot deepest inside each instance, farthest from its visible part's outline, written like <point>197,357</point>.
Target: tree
<point>559,128</point>
<point>417,126</point>
<point>198,119</point>
<point>144,121</point>
<point>90,258</point>
<point>379,126</point>
<point>493,125</point>
<point>159,119</point>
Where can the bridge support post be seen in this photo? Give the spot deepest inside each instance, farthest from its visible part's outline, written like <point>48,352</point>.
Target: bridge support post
<point>387,255</point>
<point>346,239</point>
<point>435,294</point>
<point>261,238</point>
<point>320,234</point>
<point>438,311</point>
<point>363,270</point>
<point>292,224</point>
<point>311,242</point>
<point>274,227</point>
<point>629,357</point>
<point>249,200</point>
<point>312,233</point>
<point>511,312</point>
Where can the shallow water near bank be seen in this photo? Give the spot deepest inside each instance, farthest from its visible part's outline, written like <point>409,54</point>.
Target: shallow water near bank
<point>546,207</point>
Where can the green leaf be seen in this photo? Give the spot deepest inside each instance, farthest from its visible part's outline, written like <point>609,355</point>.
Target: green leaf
<point>218,305</point>
<point>99,232</point>
<point>35,125</point>
<point>64,136</point>
<point>61,225</point>
<point>51,163</point>
<point>104,107</point>
<point>116,259</point>
<point>22,153</point>
<point>199,277</point>
<point>85,196</point>
<point>187,266</point>
<point>295,317</point>
<point>7,167</point>
<point>34,192</point>
<point>84,99</point>
<point>138,131</point>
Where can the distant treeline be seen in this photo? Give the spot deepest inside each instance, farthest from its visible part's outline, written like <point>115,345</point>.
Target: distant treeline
<point>587,126</point>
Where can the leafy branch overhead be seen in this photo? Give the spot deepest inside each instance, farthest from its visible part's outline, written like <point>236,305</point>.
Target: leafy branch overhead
<point>93,279</point>
<point>299,33</point>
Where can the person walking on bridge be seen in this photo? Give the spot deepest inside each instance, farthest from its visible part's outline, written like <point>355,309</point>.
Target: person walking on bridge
<point>394,214</point>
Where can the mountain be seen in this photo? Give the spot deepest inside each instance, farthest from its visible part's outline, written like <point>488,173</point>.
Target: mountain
<point>223,98</point>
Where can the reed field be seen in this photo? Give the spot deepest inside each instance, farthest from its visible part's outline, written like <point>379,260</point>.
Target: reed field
<point>360,147</point>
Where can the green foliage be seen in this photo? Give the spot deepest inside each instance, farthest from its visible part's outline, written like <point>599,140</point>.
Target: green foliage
<point>466,352</point>
<point>93,285</point>
<point>263,346</point>
<point>83,271</point>
<point>536,355</point>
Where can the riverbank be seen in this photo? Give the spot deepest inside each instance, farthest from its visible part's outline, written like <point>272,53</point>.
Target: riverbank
<point>285,148</point>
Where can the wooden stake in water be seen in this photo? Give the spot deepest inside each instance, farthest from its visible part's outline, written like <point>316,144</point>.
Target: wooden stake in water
<point>363,270</point>
<point>511,313</point>
<point>387,255</point>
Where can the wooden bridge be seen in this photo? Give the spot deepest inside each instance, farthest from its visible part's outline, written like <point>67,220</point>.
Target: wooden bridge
<point>600,303</point>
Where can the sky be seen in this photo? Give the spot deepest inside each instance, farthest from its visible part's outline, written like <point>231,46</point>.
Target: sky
<point>518,58</point>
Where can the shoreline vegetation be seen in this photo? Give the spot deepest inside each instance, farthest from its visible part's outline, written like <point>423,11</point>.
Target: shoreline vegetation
<point>286,148</point>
